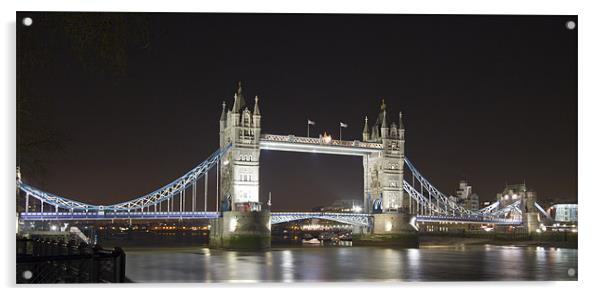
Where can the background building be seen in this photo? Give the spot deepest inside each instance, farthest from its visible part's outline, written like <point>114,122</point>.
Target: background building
<point>564,212</point>
<point>341,206</point>
<point>465,196</point>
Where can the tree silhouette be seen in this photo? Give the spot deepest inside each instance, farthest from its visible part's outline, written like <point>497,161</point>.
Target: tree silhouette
<point>99,42</point>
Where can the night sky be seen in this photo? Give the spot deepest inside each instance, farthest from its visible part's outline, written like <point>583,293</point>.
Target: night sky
<point>135,101</point>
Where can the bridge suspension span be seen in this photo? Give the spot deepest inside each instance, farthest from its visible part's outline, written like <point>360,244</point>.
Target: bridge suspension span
<point>164,195</point>
<point>429,203</point>
<point>386,188</point>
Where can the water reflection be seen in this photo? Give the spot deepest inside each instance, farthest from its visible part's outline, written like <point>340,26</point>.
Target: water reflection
<point>287,266</point>
<point>352,263</point>
<point>414,264</point>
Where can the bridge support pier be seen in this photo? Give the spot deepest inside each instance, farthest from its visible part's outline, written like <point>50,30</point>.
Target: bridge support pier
<point>359,230</point>
<point>531,222</point>
<point>241,231</point>
<point>389,229</point>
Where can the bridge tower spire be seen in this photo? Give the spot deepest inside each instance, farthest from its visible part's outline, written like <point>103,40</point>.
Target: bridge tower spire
<point>18,174</point>
<point>366,132</point>
<point>256,108</point>
<point>239,99</point>
<point>400,120</point>
<point>384,129</point>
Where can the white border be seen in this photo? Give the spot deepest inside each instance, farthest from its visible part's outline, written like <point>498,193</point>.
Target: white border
<point>589,29</point>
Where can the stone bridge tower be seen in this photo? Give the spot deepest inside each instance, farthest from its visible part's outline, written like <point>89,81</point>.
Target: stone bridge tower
<point>242,224</point>
<point>383,185</point>
<point>383,171</point>
<point>240,165</point>
<point>528,198</point>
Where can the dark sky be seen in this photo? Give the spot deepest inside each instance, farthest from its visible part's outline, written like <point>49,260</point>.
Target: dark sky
<point>136,98</point>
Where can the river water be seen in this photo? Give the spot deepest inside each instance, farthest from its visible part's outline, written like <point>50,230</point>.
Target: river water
<point>307,264</point>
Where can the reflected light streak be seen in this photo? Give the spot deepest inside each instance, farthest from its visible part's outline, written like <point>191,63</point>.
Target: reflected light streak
<point>287,266</point>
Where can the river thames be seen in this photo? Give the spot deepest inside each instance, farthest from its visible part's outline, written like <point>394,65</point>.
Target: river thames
<point>333,264</point>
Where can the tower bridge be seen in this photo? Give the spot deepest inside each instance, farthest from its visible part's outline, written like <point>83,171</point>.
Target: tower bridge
<point>393,201</point>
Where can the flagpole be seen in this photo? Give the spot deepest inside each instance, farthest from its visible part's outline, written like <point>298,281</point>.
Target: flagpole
<point>340,132</point>
<point>308,128</point>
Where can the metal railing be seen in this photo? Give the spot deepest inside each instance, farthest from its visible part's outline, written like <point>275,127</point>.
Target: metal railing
<point>347,218</point>
<point>51,261</point>
<point>318,141</point>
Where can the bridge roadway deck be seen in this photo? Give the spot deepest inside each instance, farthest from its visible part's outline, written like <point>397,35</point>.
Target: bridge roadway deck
<point>277,217</point>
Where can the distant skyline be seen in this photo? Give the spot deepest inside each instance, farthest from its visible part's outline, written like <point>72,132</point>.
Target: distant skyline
<point>134,99</point>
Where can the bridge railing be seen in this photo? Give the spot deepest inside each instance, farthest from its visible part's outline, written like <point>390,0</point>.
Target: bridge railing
<point>318,141</point>
<point>476,219</point>
<point>37,216</point>
<point>347,218</point>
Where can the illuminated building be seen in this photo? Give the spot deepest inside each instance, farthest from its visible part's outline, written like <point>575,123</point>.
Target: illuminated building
<point>341,206</point>
<point>565,212</point>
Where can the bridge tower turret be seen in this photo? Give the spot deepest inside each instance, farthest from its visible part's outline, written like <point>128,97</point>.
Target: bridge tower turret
<point>256,117</point>
<point>366,132</point>
<point>222,124</point>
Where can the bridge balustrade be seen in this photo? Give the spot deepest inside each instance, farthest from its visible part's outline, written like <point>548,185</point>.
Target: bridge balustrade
<point>318,141</point>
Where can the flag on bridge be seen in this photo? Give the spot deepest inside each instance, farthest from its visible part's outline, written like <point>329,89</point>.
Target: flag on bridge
<point>309,122</point>
<point>341,126</point>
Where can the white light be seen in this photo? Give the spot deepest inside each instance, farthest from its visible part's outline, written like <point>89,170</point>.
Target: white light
<point>506,197</point>
<point>53,227</point>
<point>27,21</point>
<point>570,25</point>
<point>357,209</point>
<point>514,196</point>
<point>226,162</point>
<point>388,226</point>
<point>233,224</point>
<point>413,223</point>
<point>27,274</point>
